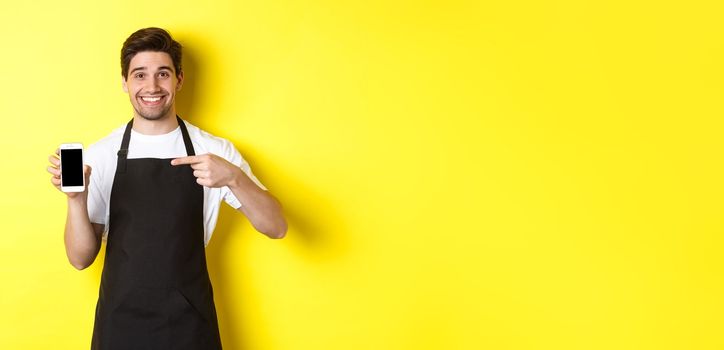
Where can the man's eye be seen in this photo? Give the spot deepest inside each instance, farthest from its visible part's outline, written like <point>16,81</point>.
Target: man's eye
<point>139,75</point>
<point>163,74</point>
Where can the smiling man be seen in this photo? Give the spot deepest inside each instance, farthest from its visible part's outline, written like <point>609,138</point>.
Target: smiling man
<point>154,195</point>
<point>157,101</point>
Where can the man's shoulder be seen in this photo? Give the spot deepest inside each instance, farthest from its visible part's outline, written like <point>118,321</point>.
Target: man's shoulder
<point>109,142</point>
<point>210,143</point>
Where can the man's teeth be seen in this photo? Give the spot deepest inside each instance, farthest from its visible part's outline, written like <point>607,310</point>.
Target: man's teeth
<point>151,99</point>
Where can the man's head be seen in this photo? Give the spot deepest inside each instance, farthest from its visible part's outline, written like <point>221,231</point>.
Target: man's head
<point>151,71</point>
<point>150,39</point>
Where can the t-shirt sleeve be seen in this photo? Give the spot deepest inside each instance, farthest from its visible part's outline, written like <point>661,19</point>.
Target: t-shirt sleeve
<point>97,204</point>
<point>233,156</point>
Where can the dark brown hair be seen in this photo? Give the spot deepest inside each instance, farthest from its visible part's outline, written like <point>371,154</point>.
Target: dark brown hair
<point>150,39</point>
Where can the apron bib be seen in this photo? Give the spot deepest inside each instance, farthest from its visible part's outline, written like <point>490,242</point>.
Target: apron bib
<point>155,289</point>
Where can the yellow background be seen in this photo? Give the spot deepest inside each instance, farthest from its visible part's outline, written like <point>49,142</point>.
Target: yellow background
<point>456,174</point>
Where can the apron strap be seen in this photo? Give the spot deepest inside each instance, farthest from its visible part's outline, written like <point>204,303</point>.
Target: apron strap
<point>187,139</point>
<point>123,152</point>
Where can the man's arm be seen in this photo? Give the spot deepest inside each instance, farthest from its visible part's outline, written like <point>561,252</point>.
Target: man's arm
<point>82,238</point>
<point>263,210</point>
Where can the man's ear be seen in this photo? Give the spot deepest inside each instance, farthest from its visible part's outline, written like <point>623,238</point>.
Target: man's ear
<point>180,78</point>
<point>123,81</point>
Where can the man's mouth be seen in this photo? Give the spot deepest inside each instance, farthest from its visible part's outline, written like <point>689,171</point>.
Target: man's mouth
<point>152,100</point>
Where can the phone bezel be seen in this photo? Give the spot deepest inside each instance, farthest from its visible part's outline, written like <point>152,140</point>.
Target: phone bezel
<point>69,146</point>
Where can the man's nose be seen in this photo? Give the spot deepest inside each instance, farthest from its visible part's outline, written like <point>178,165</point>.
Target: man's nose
<point>153,85</point>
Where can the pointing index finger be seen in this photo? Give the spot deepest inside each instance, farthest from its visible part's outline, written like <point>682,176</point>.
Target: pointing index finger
<point>185,160</point>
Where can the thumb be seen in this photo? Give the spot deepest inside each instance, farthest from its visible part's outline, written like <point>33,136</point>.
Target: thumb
<point>87,172</point>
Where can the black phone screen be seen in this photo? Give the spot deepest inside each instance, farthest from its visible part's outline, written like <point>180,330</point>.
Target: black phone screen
<point>71,164</point>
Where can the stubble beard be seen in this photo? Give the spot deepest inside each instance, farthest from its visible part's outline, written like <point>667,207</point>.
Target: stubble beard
<point>151,115</point>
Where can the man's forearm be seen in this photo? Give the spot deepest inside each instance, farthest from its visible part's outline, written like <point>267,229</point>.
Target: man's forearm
<point>82,243</point>
<point>263,210</point>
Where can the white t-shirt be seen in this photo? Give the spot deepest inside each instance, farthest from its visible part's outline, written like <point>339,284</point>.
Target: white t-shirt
<point>102,158</point>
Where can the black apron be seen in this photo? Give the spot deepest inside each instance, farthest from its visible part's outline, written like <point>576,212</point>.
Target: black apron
<point>155,290</point>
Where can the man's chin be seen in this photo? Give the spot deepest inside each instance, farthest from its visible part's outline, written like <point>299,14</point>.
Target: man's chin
<point>151,117</point>
<point>154,116</point>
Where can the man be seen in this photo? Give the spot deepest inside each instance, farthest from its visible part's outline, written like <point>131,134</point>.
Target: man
<point>154,195</point>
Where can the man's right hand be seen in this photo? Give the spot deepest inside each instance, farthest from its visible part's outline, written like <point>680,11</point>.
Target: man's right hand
<point>82,238</point>
<point>54,170</point>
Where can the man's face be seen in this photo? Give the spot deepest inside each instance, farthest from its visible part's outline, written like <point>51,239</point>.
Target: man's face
<point>152,85</point>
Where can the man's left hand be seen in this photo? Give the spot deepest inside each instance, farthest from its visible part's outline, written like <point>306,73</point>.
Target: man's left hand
<point>210,170</point>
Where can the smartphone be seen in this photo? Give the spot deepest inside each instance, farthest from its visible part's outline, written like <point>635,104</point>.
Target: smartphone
<point>71,167</point>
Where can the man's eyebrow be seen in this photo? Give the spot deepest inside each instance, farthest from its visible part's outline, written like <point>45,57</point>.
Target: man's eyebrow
<point>159,68</point>
<point>138,68</point>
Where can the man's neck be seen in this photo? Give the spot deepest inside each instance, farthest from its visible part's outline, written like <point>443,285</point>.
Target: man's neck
<point>155,127</point>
